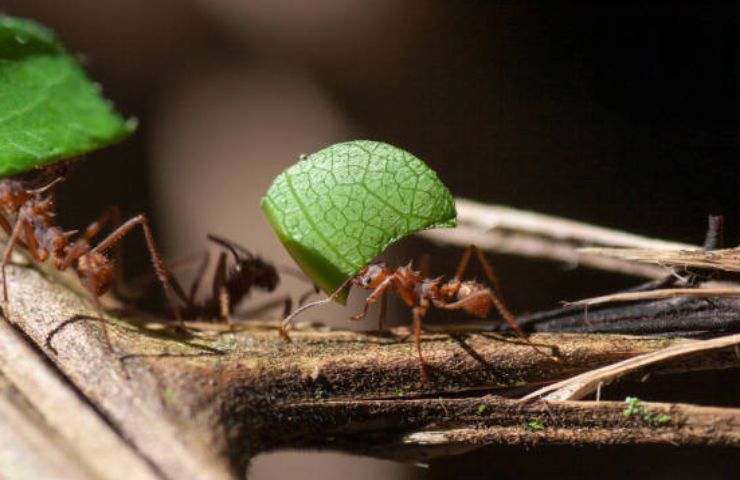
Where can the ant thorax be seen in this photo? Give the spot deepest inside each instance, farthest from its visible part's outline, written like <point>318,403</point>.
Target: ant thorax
<point>429,288</point>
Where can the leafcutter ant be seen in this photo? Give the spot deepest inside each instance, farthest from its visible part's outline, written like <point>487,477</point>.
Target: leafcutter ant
<point>421,294</point>
<point>27,214</point>
<point>230,284</point>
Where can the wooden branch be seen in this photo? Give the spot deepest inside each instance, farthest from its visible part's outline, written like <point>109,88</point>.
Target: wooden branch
<point>689,316</point>
<point>432,427</point>
<point>517,232</point>
<point>589,382</point>
<point>199,404</point>
<point>48,428</point>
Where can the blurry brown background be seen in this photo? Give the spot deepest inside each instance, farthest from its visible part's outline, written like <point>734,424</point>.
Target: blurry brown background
<point>616,113</point>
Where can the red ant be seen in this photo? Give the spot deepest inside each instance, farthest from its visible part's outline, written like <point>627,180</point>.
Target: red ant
<point>230,285</point>
<point>421,293</point>
<point>28,200</point>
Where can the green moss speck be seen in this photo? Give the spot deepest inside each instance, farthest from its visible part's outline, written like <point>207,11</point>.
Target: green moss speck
<point>169,395</point>
<point>534,425</point>
<point>635,408</point>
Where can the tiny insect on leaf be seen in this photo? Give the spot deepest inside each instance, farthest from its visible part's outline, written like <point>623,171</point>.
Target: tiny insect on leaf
<point>49,108</point>
<point>337,209</point>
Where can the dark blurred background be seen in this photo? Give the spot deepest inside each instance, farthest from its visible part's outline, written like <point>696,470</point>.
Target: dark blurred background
<point>625,114</point>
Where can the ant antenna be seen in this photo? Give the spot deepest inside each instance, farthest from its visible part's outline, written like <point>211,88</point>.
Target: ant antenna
<point>46,187</point>
<point>288,321</point>
<point>232,247</point>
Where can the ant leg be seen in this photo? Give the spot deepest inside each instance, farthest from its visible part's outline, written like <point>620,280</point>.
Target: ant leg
<point>159,267</point>
<point>224,303</point>
<point>145,280</point>
<point>104,324</point>
<point>219,291</point>
<point>495,298</point>
<point>198,277</point>
<point>112,216</point>
<point>288,321</point>
<point>508,316</point>
<point>464,262</point>
<point>219,276</point>
<point>8,228</point>
<point>287,306</point>
<point>512,321</point>
<point>498,301</point>
<point>487,268</point>
<point>33,246</point>
<point>5,225</point>
<point>373,297</point>
<point>8,251</point>
<point>419,312</point>
<point>78,249</point>
<point>383,309</point>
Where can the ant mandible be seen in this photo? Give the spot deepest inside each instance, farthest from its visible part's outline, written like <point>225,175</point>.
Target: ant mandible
<point>28,200</point>
<point>230,285</point>
<point>421,293</point>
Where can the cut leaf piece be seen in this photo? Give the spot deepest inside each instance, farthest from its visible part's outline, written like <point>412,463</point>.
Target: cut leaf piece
<point>49,109</point>
<point>339,208</point>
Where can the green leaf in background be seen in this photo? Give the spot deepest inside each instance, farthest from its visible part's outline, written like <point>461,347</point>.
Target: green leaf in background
<point>339,208</point>
<point>49,109</point>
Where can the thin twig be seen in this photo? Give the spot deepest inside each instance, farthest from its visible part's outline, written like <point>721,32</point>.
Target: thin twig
<point>727,259</point>
<point>660,294</point>
<point>578,387</point>
<point>517,232</point>
<point>488,217</point>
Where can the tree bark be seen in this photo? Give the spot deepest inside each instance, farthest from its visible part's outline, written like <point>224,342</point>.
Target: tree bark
<point>173,403</point>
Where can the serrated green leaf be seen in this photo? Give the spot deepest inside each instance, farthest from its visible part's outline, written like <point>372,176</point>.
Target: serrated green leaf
<point>339,208</point>
<point>49,108</point>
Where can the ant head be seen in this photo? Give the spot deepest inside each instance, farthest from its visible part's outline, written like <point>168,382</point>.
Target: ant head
<point>266,275</point>
<point>371,275</point>
<point>249,266</point>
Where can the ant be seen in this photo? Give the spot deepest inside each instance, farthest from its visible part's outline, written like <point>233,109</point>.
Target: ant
<point>229,286</point>
<point>28,201</point>
<point>421,293</point>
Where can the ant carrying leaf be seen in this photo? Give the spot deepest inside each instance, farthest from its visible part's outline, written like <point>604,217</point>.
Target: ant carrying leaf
<point>27,214</point>
<point>421,294</point>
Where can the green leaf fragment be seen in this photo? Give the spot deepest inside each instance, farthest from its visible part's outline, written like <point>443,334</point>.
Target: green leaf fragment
<point>339,208</point>
<point>637,409</point>
<point>49,108</point>
<point>534,425</point>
